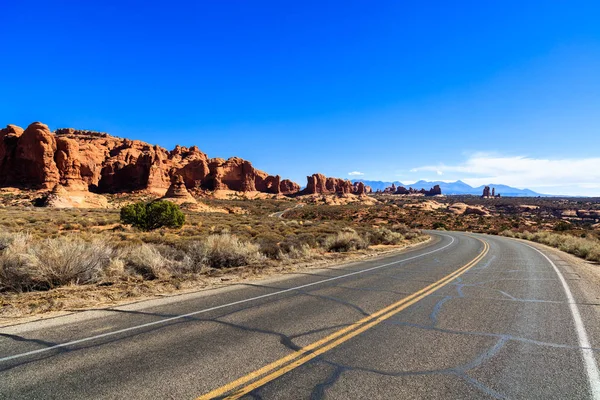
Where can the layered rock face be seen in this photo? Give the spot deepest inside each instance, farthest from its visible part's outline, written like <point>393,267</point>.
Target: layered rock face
<point>320,184</point>
<point>36,158</point>
<point>27,157</point>
<point>177,192</point>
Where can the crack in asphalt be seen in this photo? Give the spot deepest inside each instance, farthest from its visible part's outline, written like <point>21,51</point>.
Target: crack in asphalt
<point>458,371</point>
<point>319,390</point>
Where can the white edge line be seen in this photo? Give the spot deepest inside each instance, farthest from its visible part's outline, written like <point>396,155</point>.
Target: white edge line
<point>163,321</point>
<point>586,351</point>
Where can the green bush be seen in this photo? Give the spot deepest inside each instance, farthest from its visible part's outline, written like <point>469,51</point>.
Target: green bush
<point>562,226</point>
<point>154,215</point>
<point>439,226</point>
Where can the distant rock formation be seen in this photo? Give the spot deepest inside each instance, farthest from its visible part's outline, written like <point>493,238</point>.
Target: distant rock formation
<point>436,190</point>
<point>489,195</point>
<point>36,158</point>
<point>359,188</point>
<point>320,184</point>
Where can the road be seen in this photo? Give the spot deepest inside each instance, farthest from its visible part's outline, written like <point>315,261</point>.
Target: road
<point>279,214</point>
<point>465,316</point>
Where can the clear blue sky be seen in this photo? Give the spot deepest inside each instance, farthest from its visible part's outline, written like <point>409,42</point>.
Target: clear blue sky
<point>480,91</point>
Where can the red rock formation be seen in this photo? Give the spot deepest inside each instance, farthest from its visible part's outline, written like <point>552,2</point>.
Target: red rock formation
<point>320,184</point>
<point>38,158</point>
<point>359,188</point>
<point>486,192</point>
<point>274,184</point>
<point>436,190</point>
<point>177,191</point>
<point>288,187</point>
<point>28,157</point>
<point>315,184</point>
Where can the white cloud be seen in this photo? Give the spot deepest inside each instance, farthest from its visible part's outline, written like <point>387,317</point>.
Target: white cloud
<point>355,173</point>
<point>560,176</point>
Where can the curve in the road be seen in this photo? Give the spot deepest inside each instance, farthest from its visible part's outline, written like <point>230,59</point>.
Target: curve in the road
<point>274,370</point>
<point>587,353</point>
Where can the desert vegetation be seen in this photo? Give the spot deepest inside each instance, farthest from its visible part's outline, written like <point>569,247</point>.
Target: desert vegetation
<point>152,215</point>
<point>45,253</point>
<point>103,255</point>
<point>587,247</point>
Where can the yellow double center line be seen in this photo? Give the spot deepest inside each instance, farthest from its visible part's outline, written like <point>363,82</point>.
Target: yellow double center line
<point>262,376</point>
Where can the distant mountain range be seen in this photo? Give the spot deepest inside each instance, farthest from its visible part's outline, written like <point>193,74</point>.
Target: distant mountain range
<point>455,188</point>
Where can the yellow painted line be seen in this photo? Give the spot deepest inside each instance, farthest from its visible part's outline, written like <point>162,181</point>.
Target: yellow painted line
<point>299,357</point>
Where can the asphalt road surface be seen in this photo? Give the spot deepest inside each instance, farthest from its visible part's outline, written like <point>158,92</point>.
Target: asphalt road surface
<point>465,316</point>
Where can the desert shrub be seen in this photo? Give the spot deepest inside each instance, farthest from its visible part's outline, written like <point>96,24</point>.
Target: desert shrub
<point>145,260</point>
<point>226,250</point>
<point>69,259</point>
<point>345,241</point>
<point>16,266</point>
<point>584,247</point>
<point>562,226</point>
<point>196,256</point>
<point>29,265</point>
<point>268,245</point>
<point>297,241</point>
<point>439,225</point>
<point>385,236</point>
<point>5,240</point>
<point>153,215</point>
<point>413,234</point>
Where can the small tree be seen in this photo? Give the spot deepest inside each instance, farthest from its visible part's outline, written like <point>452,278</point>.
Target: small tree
<point>149,216</point>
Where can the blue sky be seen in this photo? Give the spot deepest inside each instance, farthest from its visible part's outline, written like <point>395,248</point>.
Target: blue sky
<point>504,92</point>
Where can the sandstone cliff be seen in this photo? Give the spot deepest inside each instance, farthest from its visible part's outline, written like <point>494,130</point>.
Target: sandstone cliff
<point>36,158</point>
<point>320,184</point>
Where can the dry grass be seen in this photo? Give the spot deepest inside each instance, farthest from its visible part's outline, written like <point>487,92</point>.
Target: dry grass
<point>226,250</point>
<point>345,241</point>
<point>26,264</point>
<point>584,247</point>
<point>81,247</point>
